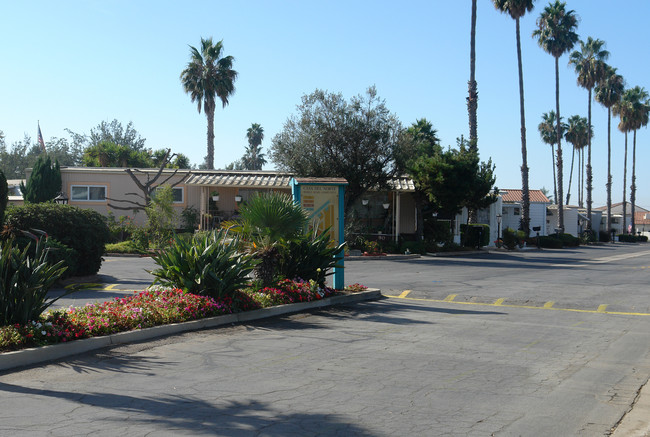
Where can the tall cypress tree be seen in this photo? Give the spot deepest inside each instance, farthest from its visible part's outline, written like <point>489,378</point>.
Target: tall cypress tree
<point>4,196</point>
<point>44,183</point>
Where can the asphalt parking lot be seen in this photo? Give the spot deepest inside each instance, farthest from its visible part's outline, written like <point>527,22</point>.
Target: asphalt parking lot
<point>536,343</point>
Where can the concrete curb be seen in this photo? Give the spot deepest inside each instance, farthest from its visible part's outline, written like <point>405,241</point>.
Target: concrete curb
<point>382,257</point>
<point>635,421</point>
<point>26,357</point>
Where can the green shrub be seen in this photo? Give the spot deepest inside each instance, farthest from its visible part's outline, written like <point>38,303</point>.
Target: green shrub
<point>83,230</point>
<point>569,240</point>
<point>209,264</point>
<point>587,236</point>
<point>307,257</point>
<point>60,252</point>
<point>124,247</point>
<point>474,235</point>
<point>511,239</point>
<point>160,216</point>
<point>413,247</point>
<point>550,242</point>
<point>189,218</point>
<point>25,281</point>
<point>44,183</point>
<point>631,238</point>
<point>604,236</point>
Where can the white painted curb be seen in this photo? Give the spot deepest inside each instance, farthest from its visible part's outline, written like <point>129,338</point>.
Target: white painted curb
<point>26,357</point>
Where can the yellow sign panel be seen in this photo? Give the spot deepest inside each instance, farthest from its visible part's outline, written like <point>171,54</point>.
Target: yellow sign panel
<point>322,205</point>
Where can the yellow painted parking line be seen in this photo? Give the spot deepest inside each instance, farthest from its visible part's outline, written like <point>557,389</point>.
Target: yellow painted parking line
<point>450,298</point>
<point>601,309</point>
<point>404,293</point>
<point>578,324</point>
<point>530,344</point>
<point>549,304</point>
<point>499,302</point>
<point>83,286</point>
<point>110,287</point>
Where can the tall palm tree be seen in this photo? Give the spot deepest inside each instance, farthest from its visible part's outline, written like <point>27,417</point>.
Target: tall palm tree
<point>472,98</point>
<point>516,9</point>
<point>623,109</point>
<point>639,118</point>
<point>608,93</point>
<point>577,133</point>
<point>589,64</point>
<point>207,76</point>
<point>254,158</point>
<point>548,132</point>
<point>556,34</point>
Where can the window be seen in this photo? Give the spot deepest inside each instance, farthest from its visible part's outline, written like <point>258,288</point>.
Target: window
<point>516,211</point>
<point>177,194</point>
<point>84,193</point>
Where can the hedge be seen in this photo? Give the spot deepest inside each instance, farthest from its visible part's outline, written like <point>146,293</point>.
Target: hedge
<point>83,230</point>
<point>469,235</point>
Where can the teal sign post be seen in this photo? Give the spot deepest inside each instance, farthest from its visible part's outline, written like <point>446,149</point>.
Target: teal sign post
<point>323,199</point>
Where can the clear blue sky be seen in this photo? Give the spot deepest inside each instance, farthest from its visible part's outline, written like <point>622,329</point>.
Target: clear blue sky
<point>72,64</point>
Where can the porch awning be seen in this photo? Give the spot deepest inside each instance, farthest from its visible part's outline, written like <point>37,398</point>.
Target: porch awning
<point>252,179</point>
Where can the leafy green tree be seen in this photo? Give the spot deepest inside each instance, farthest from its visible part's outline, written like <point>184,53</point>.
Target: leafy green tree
<point>254,159</point>
<point>4,196</point>
<point>330,137</point>
<point>455,179</point>
<point>516,9</point>
<point>608,93</point>
<point>112,132</point>
<point>577,133</point>
<point>556,34</point>
<point>207,76</point>
<point>160,215</point>
<point>548,132</point>
<point>44,183</point>
<point>22,155</point>
<point>589,64</point>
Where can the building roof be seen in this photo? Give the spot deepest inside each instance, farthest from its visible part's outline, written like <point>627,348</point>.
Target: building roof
<point>618,208</point>
<point>233,178</point>
<point>508,195</point>
<point>642,218</point>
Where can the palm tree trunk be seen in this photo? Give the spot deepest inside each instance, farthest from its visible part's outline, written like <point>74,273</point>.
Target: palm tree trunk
<point>472,98</point>
<point>609,170</point>
<point>624,188</point>
<point>209,159</point>
<point>581,203</point>
<point>560,192</point>
<point>589,174</point>
<point>525,193</point>
<point>568,192</point>
<point>633,187</point>
<point>554,174</point>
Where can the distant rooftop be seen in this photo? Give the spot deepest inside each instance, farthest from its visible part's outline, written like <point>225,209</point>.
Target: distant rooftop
<point>508,195</point>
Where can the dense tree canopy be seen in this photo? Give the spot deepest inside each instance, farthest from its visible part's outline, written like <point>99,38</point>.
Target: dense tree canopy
<point>332,137</point>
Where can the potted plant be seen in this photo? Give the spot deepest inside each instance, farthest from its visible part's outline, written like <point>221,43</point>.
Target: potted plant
<point>215,196</point>
<point>238,198</point>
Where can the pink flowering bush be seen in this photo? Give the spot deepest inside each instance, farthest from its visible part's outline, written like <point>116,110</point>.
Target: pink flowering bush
<point>152,307</point>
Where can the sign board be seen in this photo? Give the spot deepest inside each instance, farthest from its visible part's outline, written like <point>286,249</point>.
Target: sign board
<point>323,199</point>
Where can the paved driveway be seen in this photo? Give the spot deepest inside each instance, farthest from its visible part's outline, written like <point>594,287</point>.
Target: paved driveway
<point>496,359</point>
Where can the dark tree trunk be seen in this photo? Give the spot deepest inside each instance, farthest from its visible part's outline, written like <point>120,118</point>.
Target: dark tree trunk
<point>568,191</point>
<point>633,186</point>
<point>560,192</point>
<point>624,187</point>
<point>589,173</point>
<point>209,158</point>
<point>609,170</point>
<point>525,193</point>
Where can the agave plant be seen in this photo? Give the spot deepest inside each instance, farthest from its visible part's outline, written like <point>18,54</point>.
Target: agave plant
<point>25,280</point>
<point>210,264</point>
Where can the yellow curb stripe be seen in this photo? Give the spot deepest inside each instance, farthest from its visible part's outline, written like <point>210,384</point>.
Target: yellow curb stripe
<point>530,307</point>
<point>499,302</point>
<point>404,294</point>
<point>601,308</point>
<point>450,298</point>
<point>549,304</point>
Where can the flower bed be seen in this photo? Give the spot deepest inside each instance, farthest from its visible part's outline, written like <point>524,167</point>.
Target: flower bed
<point>152,307</point>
